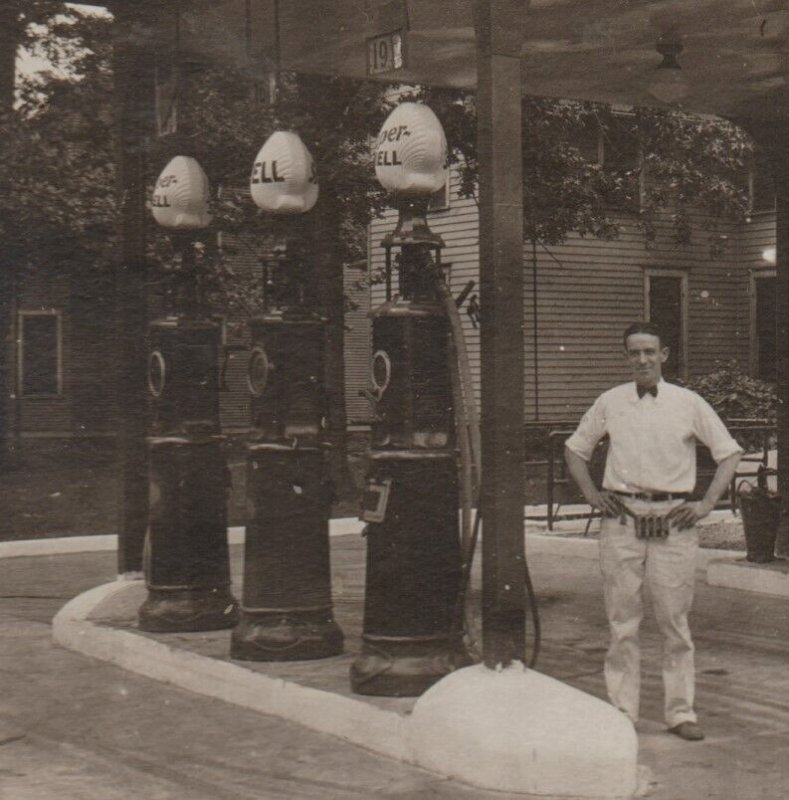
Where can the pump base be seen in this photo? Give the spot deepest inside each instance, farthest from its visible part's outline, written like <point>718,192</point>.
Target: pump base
<point>405,668</point>
<point>187,610</point>
<point>286,636</point>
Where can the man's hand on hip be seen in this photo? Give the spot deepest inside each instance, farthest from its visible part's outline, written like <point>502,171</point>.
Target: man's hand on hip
<point>688,514</point>
<point>608,503</point>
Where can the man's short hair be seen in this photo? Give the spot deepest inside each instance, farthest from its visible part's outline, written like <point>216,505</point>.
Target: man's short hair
<point>642,327</point>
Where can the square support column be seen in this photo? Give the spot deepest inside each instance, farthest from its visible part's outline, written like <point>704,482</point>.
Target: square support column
<point>133,74</point>
<point>780,158</point>
<point>499,134</point>
<point>772,137</point>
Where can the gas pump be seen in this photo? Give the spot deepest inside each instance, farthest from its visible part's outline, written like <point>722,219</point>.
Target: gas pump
<point>411,637</point>
<point>286,609</point>
<point>186,558</point>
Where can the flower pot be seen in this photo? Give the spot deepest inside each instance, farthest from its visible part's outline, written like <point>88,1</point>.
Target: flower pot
<point>760,511</point>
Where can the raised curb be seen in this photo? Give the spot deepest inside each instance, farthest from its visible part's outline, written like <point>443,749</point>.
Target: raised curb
<point>771,578</point>
<point>65,545</point>
<point>536,542</point>
<point>357,722</point>
<point>363,724</point>
<point>352,720</point>
<point>560,544</point>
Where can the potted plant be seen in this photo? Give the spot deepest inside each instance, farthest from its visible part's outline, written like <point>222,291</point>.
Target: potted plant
<point>760,509</point>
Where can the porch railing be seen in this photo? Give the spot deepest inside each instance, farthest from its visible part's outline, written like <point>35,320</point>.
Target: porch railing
<point>759,434</point>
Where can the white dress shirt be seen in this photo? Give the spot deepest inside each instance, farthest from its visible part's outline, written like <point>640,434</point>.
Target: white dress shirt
<point>652,439</point>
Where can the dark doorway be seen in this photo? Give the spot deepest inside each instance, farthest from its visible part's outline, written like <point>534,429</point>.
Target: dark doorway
<point>665,296</point>
<point>765,328</point>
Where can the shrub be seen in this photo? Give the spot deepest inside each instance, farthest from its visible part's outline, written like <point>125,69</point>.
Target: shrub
<point>736,396</point>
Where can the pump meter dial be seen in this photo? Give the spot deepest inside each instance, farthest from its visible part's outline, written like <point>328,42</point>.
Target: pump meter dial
<point>257,371</point>
<point>381,371</point>
<point>157,372</point>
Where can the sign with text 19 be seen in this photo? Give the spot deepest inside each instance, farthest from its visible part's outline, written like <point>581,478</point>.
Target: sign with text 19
<point>386,53</point>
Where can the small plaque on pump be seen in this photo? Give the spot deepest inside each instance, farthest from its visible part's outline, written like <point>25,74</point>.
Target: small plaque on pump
<point>375,499</point>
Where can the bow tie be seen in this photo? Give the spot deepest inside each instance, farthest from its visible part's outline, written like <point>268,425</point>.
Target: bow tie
<point>642,390</point>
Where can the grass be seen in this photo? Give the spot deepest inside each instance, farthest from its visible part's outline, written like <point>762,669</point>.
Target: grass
<point>67,488</point>
<point>59,488</point>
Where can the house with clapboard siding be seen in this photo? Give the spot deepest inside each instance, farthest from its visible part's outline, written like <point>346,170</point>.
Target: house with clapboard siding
<point>59,352</point>
<point>580,295</point>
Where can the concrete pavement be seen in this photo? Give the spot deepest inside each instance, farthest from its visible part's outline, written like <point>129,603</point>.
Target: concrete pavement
<point>743,694</point>
<point>75,728</point>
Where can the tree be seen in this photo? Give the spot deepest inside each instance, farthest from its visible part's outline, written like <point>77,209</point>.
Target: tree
<point>57,160</point>
<point>659,164</point>
<point>659,168</point>
<point>18,21</point>
<point>59,163</point>
<point>223,123</point>
<point>54,158</point>
<point>690,163</point>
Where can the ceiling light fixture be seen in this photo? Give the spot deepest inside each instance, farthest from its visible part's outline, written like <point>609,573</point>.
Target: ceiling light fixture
<point>668,83</point>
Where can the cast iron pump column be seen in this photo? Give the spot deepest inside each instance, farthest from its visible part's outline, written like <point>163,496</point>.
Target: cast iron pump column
<point>186,559</point>
<point>286,611</point>
<point>412,636</point>
<point>286,605</point>
<point>186,555</point>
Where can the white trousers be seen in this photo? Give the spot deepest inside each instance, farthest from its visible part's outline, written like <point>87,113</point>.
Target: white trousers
<point>667,567</point>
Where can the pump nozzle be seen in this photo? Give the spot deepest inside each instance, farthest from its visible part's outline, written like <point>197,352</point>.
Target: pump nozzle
<point>461,298</point>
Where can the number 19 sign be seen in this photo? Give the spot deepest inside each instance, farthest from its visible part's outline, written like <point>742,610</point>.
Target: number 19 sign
<point>386,53</point>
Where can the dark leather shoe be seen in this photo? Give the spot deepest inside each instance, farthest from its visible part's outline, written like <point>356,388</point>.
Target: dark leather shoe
<point>691,731</point>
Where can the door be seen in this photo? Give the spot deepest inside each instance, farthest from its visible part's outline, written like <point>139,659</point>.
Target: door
<point>666,306</point>
<point>764,324</point>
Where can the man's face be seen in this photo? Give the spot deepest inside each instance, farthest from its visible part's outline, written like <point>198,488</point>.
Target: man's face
<point>646,358</point>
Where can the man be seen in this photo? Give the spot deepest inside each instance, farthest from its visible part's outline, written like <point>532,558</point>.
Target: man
<point>648,533</point>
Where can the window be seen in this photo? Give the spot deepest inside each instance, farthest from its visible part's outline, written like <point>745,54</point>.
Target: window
<point>622,157</point>
<point>39,359</point>
<point>621,149</point>
<point>763,338</point>
<point>590,141</point>
<point>666,304</point>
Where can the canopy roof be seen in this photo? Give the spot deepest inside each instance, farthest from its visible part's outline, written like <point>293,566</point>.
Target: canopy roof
<point>734,57</point>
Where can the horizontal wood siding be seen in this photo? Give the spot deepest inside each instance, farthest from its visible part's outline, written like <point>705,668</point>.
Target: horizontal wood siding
<point>582,297</point>
<point>717,316</point>
<point>755,237</point>
<point>589,290</point>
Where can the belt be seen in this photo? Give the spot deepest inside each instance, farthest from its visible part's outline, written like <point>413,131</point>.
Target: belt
<point>655,497</point>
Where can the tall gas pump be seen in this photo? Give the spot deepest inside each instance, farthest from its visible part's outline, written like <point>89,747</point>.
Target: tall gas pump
<point>186,558</point>
<point>411,636</point>
<point>286,610</point>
